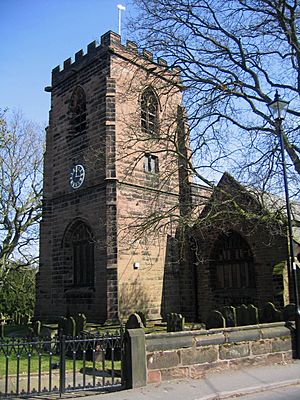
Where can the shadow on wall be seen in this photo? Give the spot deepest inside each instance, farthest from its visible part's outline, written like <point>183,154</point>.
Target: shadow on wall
<point>133,298</point>
<point>170,293</point>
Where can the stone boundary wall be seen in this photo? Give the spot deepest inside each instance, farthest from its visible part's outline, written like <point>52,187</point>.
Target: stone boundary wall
<point>181,355</point>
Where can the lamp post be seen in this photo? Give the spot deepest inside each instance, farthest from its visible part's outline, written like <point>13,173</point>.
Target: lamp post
<point>278,109</point>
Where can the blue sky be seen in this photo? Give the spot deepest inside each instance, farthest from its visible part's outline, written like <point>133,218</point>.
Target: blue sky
<point>38,35</point>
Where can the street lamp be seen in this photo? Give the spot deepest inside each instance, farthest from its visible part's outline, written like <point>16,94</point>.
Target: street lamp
<point>278,109</point>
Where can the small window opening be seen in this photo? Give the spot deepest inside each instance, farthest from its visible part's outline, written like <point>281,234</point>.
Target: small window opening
<point>151,163</point>
<point>78,111</point>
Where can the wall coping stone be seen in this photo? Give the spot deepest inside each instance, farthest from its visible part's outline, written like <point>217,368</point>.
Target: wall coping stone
<point>242,336</point>
<point>160,343</point>
<point>176,340</point>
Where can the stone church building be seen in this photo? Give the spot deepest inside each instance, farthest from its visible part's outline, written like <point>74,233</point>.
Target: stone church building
<point>116,191</point>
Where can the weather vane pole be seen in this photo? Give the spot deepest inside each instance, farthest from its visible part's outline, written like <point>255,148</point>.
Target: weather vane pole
<point>120,8</point>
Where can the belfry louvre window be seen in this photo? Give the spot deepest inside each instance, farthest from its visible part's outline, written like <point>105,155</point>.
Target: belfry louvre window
<point>83,256</point>
<point>149,111</point>
<point>151,163</point>
<point>232,263</point>
<point>78,111</point>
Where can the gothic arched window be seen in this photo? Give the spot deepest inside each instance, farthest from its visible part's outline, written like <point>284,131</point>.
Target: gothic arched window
<point>82,246</point>
<point>232,270</point>
<point>149,111</point>
<point>78,111</point>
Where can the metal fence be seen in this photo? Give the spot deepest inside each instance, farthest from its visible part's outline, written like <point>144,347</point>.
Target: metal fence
<point>33,366</point>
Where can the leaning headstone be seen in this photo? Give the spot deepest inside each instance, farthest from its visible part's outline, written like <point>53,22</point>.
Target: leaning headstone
<point>242,315</point>
<point>215,320</point>
<point>134,322</point>
<point>175,322</point>
<point>289,312</point>
<point>229,314</point>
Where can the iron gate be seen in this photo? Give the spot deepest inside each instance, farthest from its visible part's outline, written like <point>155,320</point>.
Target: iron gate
<point>35,365</point>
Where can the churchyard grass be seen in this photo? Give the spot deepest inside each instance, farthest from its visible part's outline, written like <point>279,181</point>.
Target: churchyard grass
<point>19,331</point>
<point>34,364</point>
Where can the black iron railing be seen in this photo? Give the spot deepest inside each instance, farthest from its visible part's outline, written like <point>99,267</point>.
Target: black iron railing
<point>33,366</point>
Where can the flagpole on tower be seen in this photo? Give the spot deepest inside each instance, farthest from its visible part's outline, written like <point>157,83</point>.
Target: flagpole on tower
<point>120,8</point>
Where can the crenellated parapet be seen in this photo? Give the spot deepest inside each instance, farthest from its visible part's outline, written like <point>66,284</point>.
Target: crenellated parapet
<point>109,41</point>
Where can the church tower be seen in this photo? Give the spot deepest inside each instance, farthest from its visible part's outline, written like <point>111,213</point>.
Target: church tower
<point>110,179</point>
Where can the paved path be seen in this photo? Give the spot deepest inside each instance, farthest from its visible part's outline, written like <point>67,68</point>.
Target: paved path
<point>286,393</point>
<point>224,385</point>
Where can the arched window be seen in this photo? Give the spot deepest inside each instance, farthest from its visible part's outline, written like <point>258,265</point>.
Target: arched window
<point>232,270</point>
<point>149,111</point>
<point>82,249</point>
<point>78,111</point>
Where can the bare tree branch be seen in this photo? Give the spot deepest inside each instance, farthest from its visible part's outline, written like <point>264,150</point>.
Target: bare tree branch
<point>20,191</point>
<point>233,55</point>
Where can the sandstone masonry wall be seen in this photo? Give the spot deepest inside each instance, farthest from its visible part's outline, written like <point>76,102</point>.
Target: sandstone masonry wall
<point>192,354</point>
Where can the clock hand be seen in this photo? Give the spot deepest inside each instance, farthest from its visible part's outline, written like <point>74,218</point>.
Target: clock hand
<point>77,172</point>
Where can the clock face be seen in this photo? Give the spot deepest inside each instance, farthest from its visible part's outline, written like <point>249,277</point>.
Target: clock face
<point>77,176</point>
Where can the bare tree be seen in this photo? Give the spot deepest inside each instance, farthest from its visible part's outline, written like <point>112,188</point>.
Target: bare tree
<point>233,55</point>
<point>20,191</point>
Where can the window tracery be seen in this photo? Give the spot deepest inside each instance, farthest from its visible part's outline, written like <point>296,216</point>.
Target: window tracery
<point>149,111</point>
<point>232,269</point>
<point>81,244</point>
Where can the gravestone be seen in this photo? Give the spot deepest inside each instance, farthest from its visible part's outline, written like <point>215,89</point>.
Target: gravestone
<point>289,312</point>
<point>46,332</point>
<point>143,317</point>
<point>215,320</point>
<point>253,315</point>
<point>80,321</point>
<point>270,314</point>
<point>175,322</point>
<point>134,322</point>
<point>229,314</point>
<point>62,325</point>
<point>71,327</point>
<point>242,315</point>
<point>37,328</point>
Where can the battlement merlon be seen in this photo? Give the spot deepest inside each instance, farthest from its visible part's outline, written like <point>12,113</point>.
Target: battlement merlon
<point>111,42</point>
